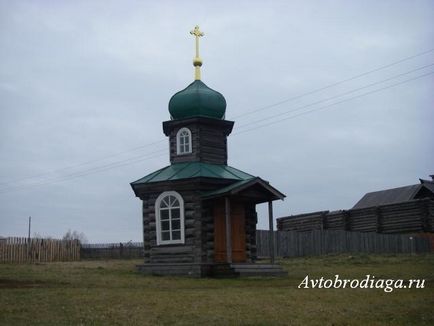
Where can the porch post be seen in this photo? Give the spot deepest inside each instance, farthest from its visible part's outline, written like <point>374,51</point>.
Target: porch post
<point>228,230</point>
<point>271,228</point>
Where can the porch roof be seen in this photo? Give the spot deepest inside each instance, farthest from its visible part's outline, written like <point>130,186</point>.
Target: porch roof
<point>267,191</point>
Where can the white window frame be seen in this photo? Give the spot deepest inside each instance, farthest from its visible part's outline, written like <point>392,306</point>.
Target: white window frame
<point>158,209</point>
<point>178,142</point>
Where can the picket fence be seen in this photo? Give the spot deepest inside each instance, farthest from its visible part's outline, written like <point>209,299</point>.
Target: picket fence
<point>24,250</point>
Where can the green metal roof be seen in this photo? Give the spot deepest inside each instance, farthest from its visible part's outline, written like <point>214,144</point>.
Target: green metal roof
<point>197,100</point>
<point>188,170</point>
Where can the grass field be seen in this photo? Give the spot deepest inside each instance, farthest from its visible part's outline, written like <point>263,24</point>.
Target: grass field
<point>112,292</point>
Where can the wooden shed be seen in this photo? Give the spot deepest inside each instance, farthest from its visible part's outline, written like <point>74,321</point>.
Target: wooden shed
<point>199,215</point>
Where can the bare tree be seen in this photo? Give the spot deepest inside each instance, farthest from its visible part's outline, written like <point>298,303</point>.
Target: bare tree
<point>75,235</point>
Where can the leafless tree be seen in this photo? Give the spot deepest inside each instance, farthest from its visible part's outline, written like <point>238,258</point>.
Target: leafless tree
<point>75,235</point>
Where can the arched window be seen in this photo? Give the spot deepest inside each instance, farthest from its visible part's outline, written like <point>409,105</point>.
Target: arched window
<point>169,213</point>
<point>183,141</point>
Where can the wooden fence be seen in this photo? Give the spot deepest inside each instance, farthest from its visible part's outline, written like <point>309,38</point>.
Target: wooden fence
<point>294,244</point>
<point>323,242</point>
<point>21,250</point>
<point>405,217</point>
<point>129,250</point>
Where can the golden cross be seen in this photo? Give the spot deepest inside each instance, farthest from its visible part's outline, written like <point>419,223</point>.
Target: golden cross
<point>197,61</point>
<point>197,33</point>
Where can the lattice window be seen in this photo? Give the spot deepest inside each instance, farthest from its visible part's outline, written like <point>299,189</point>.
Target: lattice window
<point>169,218</point>
<point>183,141</point>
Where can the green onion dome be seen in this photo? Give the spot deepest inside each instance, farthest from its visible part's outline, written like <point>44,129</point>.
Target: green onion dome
<point>197,100</point>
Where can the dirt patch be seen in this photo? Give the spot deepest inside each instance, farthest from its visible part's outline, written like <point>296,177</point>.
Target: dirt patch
<point>19,284</point>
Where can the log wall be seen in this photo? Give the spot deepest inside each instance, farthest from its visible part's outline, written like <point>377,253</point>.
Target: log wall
<point>191,250</point>
<point>209,140</point>
<point>209,145</point>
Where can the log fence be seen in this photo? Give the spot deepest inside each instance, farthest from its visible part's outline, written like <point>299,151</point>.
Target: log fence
<point>405,217</point>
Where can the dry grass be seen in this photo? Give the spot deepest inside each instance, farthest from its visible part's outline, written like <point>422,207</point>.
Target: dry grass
<point>113,293</point>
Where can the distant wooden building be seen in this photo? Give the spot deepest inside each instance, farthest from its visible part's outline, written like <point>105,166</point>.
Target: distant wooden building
<point>199,214</point>
<point>425,189</point>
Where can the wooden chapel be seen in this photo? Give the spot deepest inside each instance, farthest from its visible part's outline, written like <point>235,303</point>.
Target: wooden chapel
<point>199,216</point>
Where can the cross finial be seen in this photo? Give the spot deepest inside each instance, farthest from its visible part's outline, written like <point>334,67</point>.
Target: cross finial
<point>197,32</point>
<point>197,61</point>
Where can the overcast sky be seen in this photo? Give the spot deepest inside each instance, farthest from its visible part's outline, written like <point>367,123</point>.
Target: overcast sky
<point>85,85</point>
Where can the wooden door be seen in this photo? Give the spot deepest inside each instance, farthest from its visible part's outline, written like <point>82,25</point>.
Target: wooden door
<point>238,232</point>
<point>238,228</point>
<point>219,232</point>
